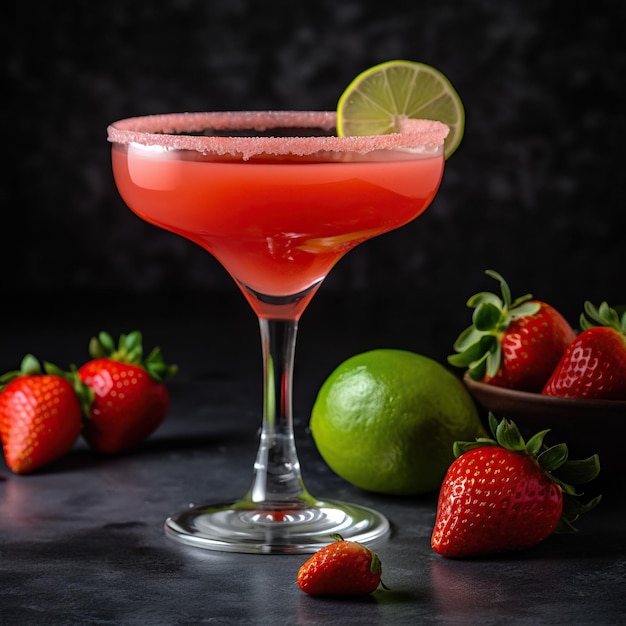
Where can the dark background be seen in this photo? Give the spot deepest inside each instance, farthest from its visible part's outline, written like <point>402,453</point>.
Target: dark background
<point>536,191</point>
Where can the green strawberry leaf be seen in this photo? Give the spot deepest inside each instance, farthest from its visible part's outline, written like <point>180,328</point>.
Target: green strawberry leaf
<point>572,510</point>
<point>475,353</point>
<point>106,344</point>
<point>494,358</point>
<point>579,472</point>
<point>491,318</point>
<point>604,315</point>
<point>472,345</point>
<point>527,308</point>
<point>130,350</point>
<point>504,287</point>
<point>484,296</point>
<point>552,458</point>
<point>158,369</point>
<point>509,437</point>
<point>30,366</point>
<point>535,443</point>
<point>486,317</point>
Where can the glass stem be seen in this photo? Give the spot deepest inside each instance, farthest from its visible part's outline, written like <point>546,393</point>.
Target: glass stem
<point>277,479</point>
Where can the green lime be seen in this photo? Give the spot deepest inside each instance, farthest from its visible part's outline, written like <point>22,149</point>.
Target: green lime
<point>386,420</point>
<point>375,100</point>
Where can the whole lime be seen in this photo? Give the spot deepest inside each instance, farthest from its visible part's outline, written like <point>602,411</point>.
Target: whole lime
<point>386,420</point>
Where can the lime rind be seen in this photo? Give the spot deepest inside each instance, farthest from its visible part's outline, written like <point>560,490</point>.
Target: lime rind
<point>377,98</point>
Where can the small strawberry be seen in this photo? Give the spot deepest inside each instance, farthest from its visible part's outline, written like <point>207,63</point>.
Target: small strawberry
<point>514,344</point>
<point>129,395</point>
<point>342,568</point>
<point>40,415</point>
<point>507,494</point>
<point>594,365</point>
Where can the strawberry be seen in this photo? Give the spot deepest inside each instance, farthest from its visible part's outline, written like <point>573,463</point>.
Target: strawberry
<point>129,398</point>
<point>40,415</point>
<point>594,365</point>
<point>514,344</point>
<point>506,494</point>
<point>342,568</point>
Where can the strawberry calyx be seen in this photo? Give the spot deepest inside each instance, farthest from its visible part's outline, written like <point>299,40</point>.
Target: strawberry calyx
<point>603,315</point>
<point>31,366</point>
<point>129,350</point>
<point>478,347</point>
<point>375,564</point>
<point>553,460</point>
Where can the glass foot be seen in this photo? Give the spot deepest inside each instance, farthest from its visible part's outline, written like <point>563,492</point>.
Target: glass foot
<point>243,527</point>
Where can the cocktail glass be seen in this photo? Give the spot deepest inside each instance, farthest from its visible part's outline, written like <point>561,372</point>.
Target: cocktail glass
<point>277,199</point>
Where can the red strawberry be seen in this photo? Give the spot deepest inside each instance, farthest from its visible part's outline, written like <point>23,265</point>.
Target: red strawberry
<point>594,365</point>
<point>514,344</point>
<point>342,568</point>
<point>40,416</point>
<point>507,494</point>
<point>129,396</point>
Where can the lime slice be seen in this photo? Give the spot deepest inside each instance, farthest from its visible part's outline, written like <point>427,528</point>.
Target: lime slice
<point>375,100</point>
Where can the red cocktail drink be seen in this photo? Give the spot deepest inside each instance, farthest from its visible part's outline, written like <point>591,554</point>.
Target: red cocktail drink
<point>278,200</point>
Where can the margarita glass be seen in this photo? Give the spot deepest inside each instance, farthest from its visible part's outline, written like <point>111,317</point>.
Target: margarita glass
<point>277,198</point>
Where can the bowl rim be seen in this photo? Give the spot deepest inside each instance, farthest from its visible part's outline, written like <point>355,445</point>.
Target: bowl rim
<point>495,391</point>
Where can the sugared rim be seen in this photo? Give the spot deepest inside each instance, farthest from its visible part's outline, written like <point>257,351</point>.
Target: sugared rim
<point>163,131</point>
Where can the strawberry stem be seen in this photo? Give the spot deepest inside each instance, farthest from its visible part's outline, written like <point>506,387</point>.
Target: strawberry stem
<point>554,461</point>
<point>30,366</point>
<point>604,315</point>
<point>478,346</point>
<point>129,349</point>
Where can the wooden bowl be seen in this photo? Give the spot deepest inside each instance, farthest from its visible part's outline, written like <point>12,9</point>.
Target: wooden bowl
<point>586,426</point>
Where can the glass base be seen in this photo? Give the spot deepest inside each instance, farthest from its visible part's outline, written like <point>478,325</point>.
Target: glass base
<point>243,527</point>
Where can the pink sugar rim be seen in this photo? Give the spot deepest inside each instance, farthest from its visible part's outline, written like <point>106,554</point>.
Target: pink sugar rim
<point>158,130</point>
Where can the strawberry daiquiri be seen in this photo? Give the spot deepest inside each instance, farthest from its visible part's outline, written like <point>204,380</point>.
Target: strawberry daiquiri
<point>277,222</point>
<point>278,199</point>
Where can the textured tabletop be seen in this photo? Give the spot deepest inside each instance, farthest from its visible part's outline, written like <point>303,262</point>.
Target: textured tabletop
<point>82,542</point>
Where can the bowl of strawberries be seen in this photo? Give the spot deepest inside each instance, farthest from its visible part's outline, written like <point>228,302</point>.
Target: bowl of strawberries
<point>588,426</point>
<point>525,362</point>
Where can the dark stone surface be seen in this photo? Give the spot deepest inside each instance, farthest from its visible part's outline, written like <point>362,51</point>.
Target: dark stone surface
<point>536,190</point>
<point>81,542</point>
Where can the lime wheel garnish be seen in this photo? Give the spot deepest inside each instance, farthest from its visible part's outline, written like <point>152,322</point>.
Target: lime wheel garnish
<point>379,98</point>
